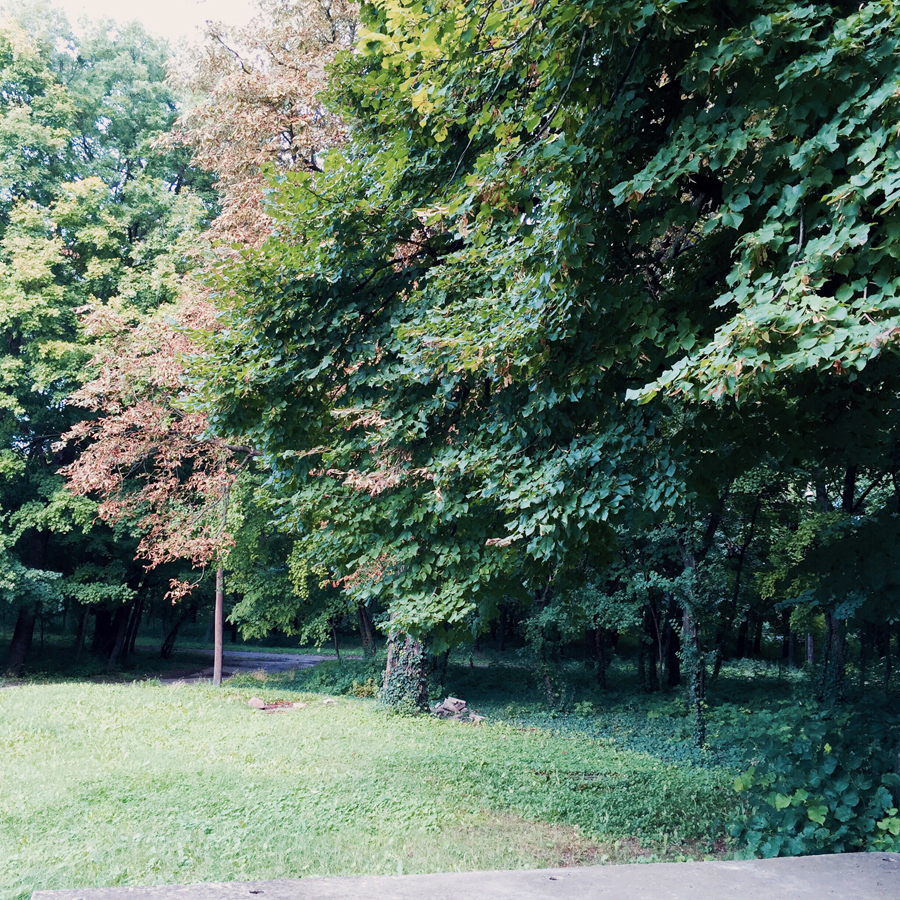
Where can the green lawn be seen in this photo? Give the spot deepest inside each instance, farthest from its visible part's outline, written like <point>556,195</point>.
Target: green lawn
<point>106,784</point>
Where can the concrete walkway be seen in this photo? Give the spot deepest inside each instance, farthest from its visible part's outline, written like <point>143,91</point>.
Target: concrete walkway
<point>243,662</point>
<point>853,876</point>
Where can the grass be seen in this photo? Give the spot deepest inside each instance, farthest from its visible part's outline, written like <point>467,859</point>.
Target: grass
<point>132,784</point>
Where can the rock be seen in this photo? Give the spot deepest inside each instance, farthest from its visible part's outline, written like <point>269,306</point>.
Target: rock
<point>298,705</point>
<point>328,700</point>
<point>453,708</point>
<point>475,719</point>
<point>256,703</point>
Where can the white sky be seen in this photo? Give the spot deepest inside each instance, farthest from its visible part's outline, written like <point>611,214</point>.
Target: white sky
<point>173,19</point>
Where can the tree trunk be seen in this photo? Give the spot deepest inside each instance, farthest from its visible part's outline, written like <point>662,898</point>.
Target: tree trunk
<point>887,662</point>
<point>135,623</point>
<point>757,637</point>
<point>334,640</point>
<point>693,659</point>
<point>671,645</point>
<point>786,637</point>
<point>863,656</point>
<point>743,631</point>
<point>810,649</point>
<point>405,683</point>
<point>23,633</point>
<point>219,617</point>
<point>120,633</point>
<point>168,644</point>
<point>82,632</point>
<point>834,661</point>
<point>366,629</point>
<point>21,640</point>
<point>600,646</point>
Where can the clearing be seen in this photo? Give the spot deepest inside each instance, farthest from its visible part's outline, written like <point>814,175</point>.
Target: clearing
<point>145,783</point>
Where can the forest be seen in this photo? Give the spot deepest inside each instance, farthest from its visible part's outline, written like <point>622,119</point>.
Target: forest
<point>555,331</point>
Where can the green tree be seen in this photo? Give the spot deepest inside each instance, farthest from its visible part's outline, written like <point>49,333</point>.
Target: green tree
<point>91,218</point>
<point>581,267</point>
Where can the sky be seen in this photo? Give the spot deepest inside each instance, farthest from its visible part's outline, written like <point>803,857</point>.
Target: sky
<point>173,19</point>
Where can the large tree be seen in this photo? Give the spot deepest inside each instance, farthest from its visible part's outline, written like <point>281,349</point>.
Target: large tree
<point>579,264</point>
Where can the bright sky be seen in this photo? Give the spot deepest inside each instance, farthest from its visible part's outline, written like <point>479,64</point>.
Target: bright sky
<point>173,19</point>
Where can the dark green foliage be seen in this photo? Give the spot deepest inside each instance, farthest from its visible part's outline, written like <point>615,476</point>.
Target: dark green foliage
<point>405,686</point>
<point>340,678</point>
<point>821,785</point>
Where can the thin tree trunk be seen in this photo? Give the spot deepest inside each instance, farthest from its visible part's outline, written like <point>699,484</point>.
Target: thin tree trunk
<point>727,622</point>
<point>366,629</point>
<point>834,661</point>
<point>168,644</point>
<point>786,638</point>
<point>219,620</point>
<point>600,644</point>
<point>691,651</point>
<point>135,623</point>
<point>671,645</point>
<point>887,662</point>
<point>863,656</point>
<point>654,655</point>
<point>82,632</point>
<point>23,633</point>
<point>757,637</point>
<point>743,631</point>
<point>337,650</point>
<point>696,674</point>
<point>810,649</point>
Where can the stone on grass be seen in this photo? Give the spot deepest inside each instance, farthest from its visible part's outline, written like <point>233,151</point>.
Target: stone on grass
<point>329,700</point>
<point>298,705</point>
<point>256,703</point>
<point>456,710</point>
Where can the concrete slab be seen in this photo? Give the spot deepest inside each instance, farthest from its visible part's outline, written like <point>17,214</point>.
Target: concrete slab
<point>853,876</point>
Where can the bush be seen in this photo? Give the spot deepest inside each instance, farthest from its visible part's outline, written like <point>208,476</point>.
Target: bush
<point>827,785</point>
<point>332,677</point>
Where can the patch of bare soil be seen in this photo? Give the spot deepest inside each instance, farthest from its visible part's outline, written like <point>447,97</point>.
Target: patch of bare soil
<point>561,846</point>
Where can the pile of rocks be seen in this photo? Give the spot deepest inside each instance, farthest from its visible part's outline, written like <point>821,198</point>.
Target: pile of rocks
<point>456,709</point>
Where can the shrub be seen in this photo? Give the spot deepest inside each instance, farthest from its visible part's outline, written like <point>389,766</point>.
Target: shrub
<point>367,688</point>
<point>827,785</point>
<point>332,677</point>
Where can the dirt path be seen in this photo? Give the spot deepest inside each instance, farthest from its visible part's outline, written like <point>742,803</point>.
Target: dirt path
<point>243,662</point>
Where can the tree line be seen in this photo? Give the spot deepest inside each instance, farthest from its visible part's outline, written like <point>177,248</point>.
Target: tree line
<point>453,319</point>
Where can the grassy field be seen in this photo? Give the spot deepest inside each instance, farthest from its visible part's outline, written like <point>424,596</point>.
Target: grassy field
<point>140,783</point>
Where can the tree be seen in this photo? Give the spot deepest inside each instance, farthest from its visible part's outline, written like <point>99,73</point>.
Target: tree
<point>147,453</point>
<point>90,218</point>
<point>544,214</point>
<point>253,104</point>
